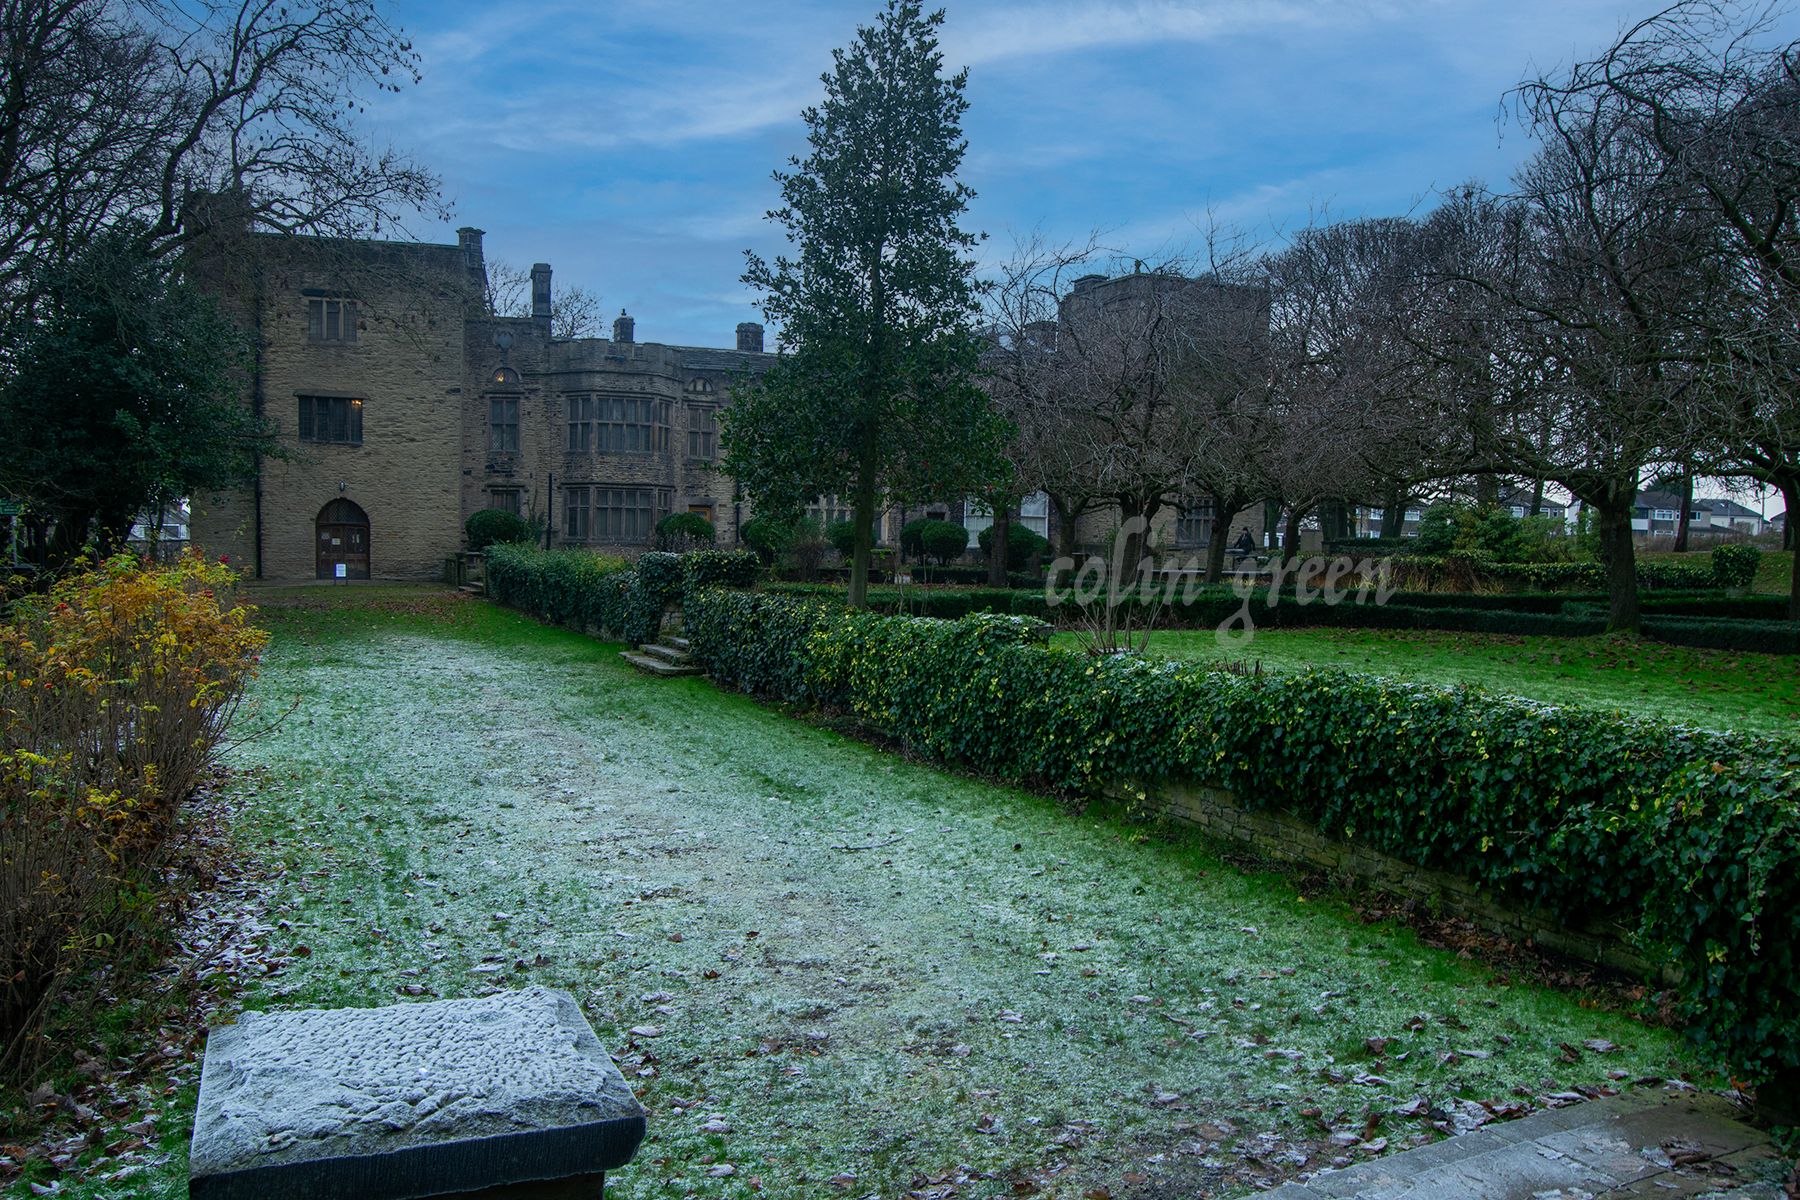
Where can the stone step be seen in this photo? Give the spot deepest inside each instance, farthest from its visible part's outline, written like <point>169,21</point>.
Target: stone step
<point>474,589</point>
<point>679,643</point>
<point>656,666</point>
<point>669,654</point>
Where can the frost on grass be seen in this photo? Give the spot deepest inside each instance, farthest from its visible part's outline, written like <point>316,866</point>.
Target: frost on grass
<point>834,972</point>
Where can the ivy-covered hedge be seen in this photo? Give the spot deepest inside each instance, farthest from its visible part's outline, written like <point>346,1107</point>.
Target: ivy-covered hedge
<point>575,588</point>
<point>719,568</point>
<point>1572,811</point>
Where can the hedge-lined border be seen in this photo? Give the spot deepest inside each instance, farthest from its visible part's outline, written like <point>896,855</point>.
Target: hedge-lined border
<point>1566,810</point>
<point>1703,621</point>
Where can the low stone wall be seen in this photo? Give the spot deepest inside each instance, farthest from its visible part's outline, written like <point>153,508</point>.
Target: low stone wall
<point>1285,838</point>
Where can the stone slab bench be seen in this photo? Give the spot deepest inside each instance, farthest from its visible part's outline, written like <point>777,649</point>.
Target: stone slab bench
<point>504,1096</point>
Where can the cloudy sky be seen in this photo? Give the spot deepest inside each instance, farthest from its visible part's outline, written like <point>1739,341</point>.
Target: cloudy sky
<point>630,145</point>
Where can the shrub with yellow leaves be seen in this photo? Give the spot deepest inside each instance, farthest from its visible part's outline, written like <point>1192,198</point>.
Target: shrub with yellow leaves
<point>116,689</point>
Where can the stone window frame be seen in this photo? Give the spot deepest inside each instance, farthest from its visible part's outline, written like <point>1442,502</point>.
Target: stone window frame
<point>615,424</point>
<point>507,499</point>
<point>503,422</point>
<point>331,320</point>
<point>323,414</point>
<point>616,514</point>
<point>702,432</point>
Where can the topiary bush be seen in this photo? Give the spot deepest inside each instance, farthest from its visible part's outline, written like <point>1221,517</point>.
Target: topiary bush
<point>1734,565</point>
<point>1021,545</point>
<point>842,536</point>
<point>683,531</point>
<point>493,526</point>
<point>912,538</point>
<point>1574,812</point>
<point>942,540</point>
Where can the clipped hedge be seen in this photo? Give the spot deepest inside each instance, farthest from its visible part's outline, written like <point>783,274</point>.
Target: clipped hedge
<point>719,568</point>
<point>1567,810</point>
<point>1558,576</point>
<point>577,588</point>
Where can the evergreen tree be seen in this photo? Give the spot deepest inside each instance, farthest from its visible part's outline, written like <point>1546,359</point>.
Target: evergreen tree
<point>120,395</point>
<point>873,394</point>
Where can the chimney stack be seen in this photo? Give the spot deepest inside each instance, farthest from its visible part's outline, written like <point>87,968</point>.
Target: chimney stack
<point>540,294</point>
<point>750,337</point>
<point>469,239</point>
<point>623,327</point>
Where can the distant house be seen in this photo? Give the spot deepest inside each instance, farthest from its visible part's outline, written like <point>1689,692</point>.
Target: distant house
<point>1730,515</point>
<point>1517,501</point>
<point>1658,512</point>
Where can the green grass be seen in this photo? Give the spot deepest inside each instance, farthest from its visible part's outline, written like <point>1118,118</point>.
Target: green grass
<point>866,966</point>
<point>1710,688</point>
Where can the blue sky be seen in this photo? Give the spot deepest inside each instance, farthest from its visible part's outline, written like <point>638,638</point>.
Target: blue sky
<point>631,145</point>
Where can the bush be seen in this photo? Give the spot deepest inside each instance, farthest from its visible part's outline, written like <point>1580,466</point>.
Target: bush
<point>702,569</point>
<point>1571,811</point>
<point>115,692</point>
<point>683,531</point>
<point>767,537</point>
<point>493,526</point>
<point>1022,545</point>
<point>1734,565</point>
<point>577,588</point>
<point>805,549</point>
<point>942,540</point>
<point>842,536</point>
<point>912,538</point>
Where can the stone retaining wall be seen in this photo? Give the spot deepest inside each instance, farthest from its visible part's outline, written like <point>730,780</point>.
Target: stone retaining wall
<point>1285,838</point>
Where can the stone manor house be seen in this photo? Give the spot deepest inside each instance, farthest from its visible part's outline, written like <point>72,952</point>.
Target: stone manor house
<point>403,405</point>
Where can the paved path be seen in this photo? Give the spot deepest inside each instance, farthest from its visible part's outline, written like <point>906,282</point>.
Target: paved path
<point>1648,1143</point>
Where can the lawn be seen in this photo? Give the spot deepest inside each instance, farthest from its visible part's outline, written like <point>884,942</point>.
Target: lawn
<point>1710,688</point>
<point>835,971</point>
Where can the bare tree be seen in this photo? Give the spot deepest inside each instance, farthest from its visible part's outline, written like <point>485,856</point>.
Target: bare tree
<point>1595,356</point>
<point>575,312</point>
<point>153,110</point>
<point>1719,106</point>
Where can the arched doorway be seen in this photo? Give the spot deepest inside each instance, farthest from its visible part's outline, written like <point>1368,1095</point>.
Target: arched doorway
<point>343,541</point>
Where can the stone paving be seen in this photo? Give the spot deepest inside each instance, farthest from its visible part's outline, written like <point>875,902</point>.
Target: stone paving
<point>1647,1143</point>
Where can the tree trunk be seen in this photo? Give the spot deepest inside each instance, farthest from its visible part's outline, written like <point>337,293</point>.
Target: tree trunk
<point>865,535</point>
<point>1133,549</point>
<point>1487,491</point>
<point>1062,529</point>
<point>1617,551</point>
<point>1687,507</point>
<point>1537,498</point>
<point>997,536</point>
<point>1290,537</point>
<point>68,537</point>
<point>1224,509</point>
<point>1393,517</point>
<point>1790,493</point>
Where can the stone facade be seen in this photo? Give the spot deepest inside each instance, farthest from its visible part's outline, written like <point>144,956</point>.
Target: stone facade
<point>403,405</point>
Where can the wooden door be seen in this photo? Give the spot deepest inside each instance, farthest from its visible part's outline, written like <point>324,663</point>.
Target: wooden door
<point>343,541</point>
